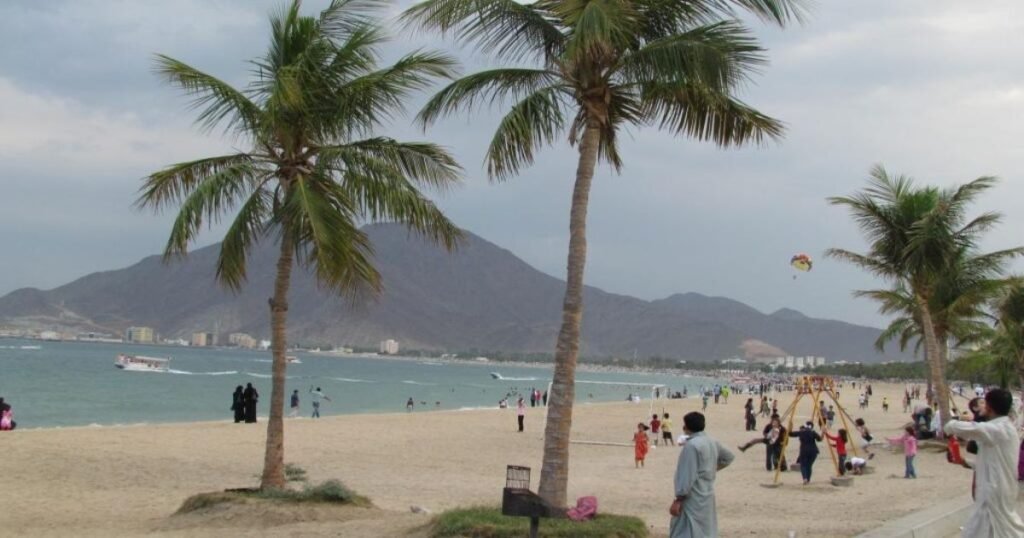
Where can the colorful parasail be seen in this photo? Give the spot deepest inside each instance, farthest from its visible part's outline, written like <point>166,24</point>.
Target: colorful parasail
<point>801,262</point>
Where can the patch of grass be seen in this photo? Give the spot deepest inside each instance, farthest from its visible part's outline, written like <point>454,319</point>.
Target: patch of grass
<point>206,500</point>
<point>487,522</point>
<point>294,473</point>
<point>330,492</point>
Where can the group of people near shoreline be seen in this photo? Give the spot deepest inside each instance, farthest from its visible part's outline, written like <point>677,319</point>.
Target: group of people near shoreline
<point>243,403</point>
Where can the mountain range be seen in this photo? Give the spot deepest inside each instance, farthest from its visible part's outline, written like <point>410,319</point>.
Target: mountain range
<point>481,297</point>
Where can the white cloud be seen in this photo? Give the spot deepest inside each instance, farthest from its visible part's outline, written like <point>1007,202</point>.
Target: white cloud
<point>73,140</point>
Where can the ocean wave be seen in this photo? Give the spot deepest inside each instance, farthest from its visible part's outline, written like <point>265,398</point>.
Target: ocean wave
<point>262,360</point>
<point>185,372</point>
<point>348,380</point>
<point>408,382</point>
<point>261,376</point>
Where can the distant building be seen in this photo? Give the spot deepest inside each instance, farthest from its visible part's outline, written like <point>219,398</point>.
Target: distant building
<point>203,339</point>
<point>389,347</point>
<point>264,345</point>
<point>49,335</point>
<point>799,361</point>
<point>819,361</point>
<point>790,363</point>
<point>242,340</point>
<point>139,335</point>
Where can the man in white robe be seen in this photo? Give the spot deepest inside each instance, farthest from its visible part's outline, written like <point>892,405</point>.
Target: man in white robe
<point>693,512</point>
<point>995,502</point>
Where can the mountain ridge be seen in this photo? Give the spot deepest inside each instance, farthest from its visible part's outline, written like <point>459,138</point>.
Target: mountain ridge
<point>480,297</point>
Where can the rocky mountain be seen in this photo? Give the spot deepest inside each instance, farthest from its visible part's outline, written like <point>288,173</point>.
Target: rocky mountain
<point>480,297</point>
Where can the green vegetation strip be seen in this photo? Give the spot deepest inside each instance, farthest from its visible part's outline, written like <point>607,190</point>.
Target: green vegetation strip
<point>487,522</point>
<point>330,492</point>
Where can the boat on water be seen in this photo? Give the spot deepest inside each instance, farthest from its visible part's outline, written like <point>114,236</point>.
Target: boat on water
<point>292,359</point>
<point>139,363</point>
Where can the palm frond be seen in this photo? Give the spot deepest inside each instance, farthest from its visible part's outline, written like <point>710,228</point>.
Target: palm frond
<point>720,56</point>
<point>217,100</point>
<point>369,100</point>
<point>531,123</point>
<point>491,87</point>
<point>327,239</point>
<point>344,18</point>
<point>247,228</point>
<point>873,265</point>
<point>422,162</point>
<point>174,183</point>
<point>698,112</point>
<point>505,28</point>
<point>211,198</point>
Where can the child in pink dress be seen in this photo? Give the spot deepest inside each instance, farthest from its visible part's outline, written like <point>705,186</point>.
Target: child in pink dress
<point>909,451</point>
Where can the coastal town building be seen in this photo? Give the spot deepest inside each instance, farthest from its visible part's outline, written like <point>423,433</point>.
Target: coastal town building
<point>139,335</point>
<point>389,347</point>
<point>203,339</point>
<point>242,340</point>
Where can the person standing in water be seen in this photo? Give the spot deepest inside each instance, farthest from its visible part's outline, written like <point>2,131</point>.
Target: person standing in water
<point>238,404</point>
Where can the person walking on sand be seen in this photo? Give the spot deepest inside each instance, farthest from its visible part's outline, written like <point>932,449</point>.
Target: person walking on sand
<point>640,444</point>
<point>295,404</point>
<point>520,413</point>
<point>409,404</point>
<point>995,503</point>
<point>693,510</point>
<point>250,397</point>
<point>317,396</point>
<point>238,404</point>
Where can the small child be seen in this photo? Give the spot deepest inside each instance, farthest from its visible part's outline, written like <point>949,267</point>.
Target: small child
<point>704,399</point>
<point>909,451</point>
<point>856,465</point>
<point>885,404</point>
<point>655,428</point>
<point>640,444</point>
<point>953,454</point>
<point>840,441</point>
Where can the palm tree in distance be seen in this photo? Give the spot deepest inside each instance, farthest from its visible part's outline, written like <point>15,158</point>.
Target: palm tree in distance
<point>959,304</point>
<point>917,237</point>
<point>1008,340</point>
<point>313,171</point>
<point>593,68</point>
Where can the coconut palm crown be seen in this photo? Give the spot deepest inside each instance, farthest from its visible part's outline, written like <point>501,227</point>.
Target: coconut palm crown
<point>313,172</point>
<point>582,71</point>
<point>921,240</point>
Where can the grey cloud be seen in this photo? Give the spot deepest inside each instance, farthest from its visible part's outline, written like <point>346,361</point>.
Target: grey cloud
<point>927,88</point>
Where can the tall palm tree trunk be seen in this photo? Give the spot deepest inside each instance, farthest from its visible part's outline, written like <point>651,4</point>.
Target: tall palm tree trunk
<point>273,462</point>
<point>554,474</point>
<point>935,358</point>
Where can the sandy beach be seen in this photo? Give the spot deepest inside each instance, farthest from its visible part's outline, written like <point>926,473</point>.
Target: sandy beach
<point>127,481</point>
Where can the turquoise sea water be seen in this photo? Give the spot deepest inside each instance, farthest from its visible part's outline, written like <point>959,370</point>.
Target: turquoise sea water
<point>76,384</point>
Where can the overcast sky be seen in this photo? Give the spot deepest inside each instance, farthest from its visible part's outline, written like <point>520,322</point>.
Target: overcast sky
<point>933,89</point>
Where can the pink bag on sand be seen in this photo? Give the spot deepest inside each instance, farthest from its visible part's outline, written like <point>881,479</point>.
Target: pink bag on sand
<point>586,508</point>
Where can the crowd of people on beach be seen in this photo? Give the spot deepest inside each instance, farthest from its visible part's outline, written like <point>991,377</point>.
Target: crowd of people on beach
<point>985,430</point>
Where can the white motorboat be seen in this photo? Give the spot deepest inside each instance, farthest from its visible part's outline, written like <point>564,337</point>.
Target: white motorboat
<point>292,359</point>
<point>139,363</point>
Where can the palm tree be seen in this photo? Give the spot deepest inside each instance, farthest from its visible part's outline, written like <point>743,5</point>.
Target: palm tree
<point>916,236</point>
<point>962,292</point>
<point>313,171</point>
<point>594,67</point>
<point>1008,340</point>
